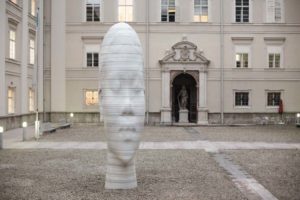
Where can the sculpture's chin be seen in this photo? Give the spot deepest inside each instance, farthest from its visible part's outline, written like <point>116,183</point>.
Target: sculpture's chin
<point>123,151</point>
<point>123,157</point>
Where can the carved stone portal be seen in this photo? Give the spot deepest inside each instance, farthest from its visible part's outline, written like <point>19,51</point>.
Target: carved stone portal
<point>184,58</point>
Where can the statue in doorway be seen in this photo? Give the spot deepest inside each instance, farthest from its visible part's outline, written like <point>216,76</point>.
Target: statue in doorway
<point>182,98</point>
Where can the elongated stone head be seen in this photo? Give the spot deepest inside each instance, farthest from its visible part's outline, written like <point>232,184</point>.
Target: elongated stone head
<point>122,102</point>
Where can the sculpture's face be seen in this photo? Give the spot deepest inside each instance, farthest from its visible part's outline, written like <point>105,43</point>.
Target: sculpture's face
<point>124,112</point>
<point>122,91</point>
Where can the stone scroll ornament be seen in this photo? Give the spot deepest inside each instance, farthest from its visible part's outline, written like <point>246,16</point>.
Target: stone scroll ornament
<point>122,94</point>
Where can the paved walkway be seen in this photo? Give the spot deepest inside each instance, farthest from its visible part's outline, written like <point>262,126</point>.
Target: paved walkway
<point>250,187</point>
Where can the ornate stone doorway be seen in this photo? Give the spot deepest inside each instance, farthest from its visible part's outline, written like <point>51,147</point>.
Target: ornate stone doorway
<point>184,79</point>
<point>190,66</point>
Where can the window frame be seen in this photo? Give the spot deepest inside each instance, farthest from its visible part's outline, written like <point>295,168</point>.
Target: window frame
<point>208,12</point>
<point>32,7</point>
<point>91,48</point>
<point>273,99</point>
<point>12,54</point>
<point>242,49</point>
<point>234,13</point>
<point>12,99</point>
<point>273,107</point>
<point>94,91</point>
<point>93,11</point>
<point>235,91</point>
<point>31,100</point>
<point>126,7</point>
<point>168,7</point>
<point>272,19</point>
<point>31,53</point>
<point>275,49</point>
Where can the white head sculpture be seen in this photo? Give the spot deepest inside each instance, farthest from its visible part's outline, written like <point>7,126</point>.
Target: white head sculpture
<point>123,103</point>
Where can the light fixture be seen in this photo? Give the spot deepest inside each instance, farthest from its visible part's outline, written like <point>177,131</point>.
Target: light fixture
<point>71,114</point>
<point>24,124</point>
<point>1,129</point>
<point>298,115</point>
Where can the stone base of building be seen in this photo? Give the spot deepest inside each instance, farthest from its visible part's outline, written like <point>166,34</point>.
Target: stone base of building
<point>11,122</point>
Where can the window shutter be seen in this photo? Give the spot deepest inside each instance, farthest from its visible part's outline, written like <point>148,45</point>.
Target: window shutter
<point>270,10</point>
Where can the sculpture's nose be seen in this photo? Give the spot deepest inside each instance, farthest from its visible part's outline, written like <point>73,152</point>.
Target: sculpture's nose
<point>128,107</point>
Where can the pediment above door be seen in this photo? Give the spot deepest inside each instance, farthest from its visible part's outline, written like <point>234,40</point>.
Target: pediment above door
<point>184,52</point>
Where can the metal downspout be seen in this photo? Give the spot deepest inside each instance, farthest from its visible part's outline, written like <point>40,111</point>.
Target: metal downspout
<point>147,62</point>
<point>222,59</point>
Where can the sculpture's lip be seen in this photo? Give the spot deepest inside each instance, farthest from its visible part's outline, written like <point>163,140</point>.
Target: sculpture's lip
<point>127,129</point>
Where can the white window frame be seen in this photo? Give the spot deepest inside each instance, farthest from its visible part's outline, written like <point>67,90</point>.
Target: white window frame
<point>249,99</point>
<point>208,12</point>
<point>14,1</point>
<point>176,11</point>
<point>275,49</point>
<point>32,7</point>
<point>11,100</point>
<point>91,48</point>
<point>234,13</point>
<point>128,18</point>
<point>95,91</point>
<point>271,12</point>
<point>12,43</point>
<point>84,11</point>
<point>266,98</point>
<point>243,49</point>
<point>31,98</point>
<point>31,51</point>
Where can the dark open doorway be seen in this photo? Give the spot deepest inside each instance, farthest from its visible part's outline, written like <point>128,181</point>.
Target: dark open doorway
<point>189,82</point>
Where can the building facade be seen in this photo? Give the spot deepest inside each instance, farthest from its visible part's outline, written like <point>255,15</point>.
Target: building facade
<point>238,59</point>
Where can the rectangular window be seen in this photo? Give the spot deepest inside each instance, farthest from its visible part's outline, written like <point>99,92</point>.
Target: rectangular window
<point>92,59</point>
<point>12,44</point>
<point>14,1</point>
<point>31,51</point>
<point>274,10</point>
<point>91,97</point>
<point>168,10</point>
<point>241,60</point>
<point>125,10</point>
<point>275,56</point>
<point>242,99</point>
<point>92,10</point>
<point>92,55</point>
<point>200,10</point>
<point>32,7</point>
<point>11,100</point>
<point>242,9</point>
<point>274,60</point>
<point>31,100</point>
<point>273,98</point>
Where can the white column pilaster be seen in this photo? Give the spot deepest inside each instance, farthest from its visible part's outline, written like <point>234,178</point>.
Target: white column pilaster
<point>40,55</point>
<point>3,29</point>
<point>58,84</point>
<point>165,95</point>
<point>24,59</point>
<point>202,109</point>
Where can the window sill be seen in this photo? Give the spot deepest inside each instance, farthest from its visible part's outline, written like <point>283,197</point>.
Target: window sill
<point>274,69</point>
<point>272,107</point>
<point>13,61</point>
<point>243,68</point>
<point>91,68</point>
<point>241,107</point>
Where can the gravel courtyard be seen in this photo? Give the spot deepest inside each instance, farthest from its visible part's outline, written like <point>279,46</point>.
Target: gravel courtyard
<point>162,173</point>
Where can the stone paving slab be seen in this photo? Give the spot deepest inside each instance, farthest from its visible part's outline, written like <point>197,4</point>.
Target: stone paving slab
<point>276,170</point>
<point>93,133</point>
<point>204,145</point>
<point>80,174</point>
